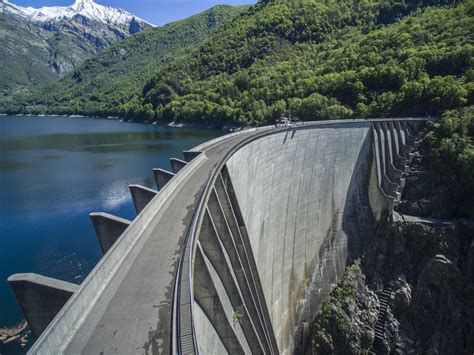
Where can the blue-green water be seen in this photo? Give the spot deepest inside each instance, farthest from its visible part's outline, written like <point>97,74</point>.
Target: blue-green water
<point>54,171</point>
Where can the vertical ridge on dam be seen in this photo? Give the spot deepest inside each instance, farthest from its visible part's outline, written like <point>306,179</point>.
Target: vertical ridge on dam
<point>241,245</point>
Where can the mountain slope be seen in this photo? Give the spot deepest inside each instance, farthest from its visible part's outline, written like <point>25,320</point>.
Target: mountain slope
<point>84,8</point>
<point>305,58</point>
<point>41,45</point>
<point>108,80</point>
<point>315,60</point>
<point>23,58</point>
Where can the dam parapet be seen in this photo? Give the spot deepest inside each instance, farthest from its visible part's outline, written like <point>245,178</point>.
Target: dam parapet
<point>242,243</point>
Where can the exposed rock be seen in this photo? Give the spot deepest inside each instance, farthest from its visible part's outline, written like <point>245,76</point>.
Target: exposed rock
<point>401,298</point>
<point>18,333</point>
<point>54,41</point>
<point>345,324</point>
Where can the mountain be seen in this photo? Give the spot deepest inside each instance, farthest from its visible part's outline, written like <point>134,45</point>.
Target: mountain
<point>101,84</point>
<point>42,45</point>
<point>86,10</point>
<point>311,59</point>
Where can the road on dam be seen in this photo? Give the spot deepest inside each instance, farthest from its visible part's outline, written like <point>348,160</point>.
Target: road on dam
<point>133,312</point>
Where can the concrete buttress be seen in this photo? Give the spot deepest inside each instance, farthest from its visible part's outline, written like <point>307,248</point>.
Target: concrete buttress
<point>108,228</point>
<point>40,298</point>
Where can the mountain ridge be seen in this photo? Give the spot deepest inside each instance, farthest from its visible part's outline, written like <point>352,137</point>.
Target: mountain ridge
<point>39,46</point>
<point>310,59</point>
<point>86,8</point>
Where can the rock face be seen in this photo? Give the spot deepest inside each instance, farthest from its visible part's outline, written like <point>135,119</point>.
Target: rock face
<point>347,319</point>
<point>427,268</point>
<point>431,305</point>
<point>40,45</point>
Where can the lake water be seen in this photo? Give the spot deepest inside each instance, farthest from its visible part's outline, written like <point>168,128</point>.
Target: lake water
<point>54,171</point>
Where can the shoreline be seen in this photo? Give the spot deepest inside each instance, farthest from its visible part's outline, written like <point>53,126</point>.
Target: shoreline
<point>226,128</point>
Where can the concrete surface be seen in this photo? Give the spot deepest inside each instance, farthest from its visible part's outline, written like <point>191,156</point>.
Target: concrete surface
<point>303,196</point>
<point>141,196</point>
<point>124,305</point>
<point>177,165</point>
<point>162,177</point>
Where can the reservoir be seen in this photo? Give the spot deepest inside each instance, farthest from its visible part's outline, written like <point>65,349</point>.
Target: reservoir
<point>54,171</point>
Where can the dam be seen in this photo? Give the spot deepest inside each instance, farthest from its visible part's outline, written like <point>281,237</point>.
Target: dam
<point>237,248</point>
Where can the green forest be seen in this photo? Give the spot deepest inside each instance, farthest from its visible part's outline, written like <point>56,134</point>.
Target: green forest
<point>320,61</point>
<point>310,59</point>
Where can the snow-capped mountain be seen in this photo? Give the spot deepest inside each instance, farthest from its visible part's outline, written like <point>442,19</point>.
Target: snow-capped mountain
<point>44,43</point>
<point>86,8</point>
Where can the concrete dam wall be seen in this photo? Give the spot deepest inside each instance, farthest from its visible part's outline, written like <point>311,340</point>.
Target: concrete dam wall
<point>304,199</point>
<point>237,249</point>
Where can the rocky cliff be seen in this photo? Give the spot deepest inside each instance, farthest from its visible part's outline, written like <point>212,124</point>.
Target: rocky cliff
<point>428,270</point>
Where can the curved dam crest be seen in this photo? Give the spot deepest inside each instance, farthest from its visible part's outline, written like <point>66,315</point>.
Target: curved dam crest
<point>236,250</point>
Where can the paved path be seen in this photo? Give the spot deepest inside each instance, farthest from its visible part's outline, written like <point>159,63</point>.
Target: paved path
<point>133,314</point>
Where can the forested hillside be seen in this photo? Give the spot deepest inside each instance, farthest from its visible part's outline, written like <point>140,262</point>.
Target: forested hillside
<point>111,78</point>
<point>318,60</point>
<point>306,58</point>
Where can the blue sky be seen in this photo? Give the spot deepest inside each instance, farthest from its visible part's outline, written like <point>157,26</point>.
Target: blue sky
<point>158,12</point>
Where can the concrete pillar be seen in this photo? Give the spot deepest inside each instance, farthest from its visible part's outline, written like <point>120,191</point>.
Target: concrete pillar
<point>40,298</point>
<point>389,187</point>
<point>177,165</point>
<point>162,177</point>
<point>395,174</point>
<point>404,146</point>
<point>212,246</point>
<point>108,228</point>
<point>409,133</point>
<point>141,196</point>
<point>389,148</point>
<point>401,160</point>
<point>190,155</point>
<point>207,295</point>
<point>229,206</point>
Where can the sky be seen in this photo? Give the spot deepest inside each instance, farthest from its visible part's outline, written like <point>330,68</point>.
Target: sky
<point>157,12</point>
